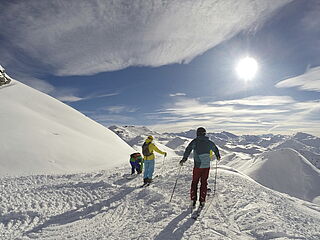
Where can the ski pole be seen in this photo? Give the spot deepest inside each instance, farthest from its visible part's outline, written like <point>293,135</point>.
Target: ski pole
<point>215,179</point>
<point>174,188</point>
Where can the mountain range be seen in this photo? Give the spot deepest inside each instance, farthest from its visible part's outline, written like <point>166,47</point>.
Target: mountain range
<point>289,164</point>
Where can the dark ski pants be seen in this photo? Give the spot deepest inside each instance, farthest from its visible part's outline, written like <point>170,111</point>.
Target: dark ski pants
<point>201,174</point>
<point>135,166</point>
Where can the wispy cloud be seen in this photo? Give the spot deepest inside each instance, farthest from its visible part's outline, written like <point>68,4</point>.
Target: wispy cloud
<point>117,114</point>
<point>253,114</point>
<point>111,119</point>
<point>120,109</point>
<point>311,21</point>
<point>69,95</point>
<point>309,81</point>
<point>79,37</point>
<point>36,83</point>
<point>63,94</point>
<point>258,101</point>
<point>177,94</point>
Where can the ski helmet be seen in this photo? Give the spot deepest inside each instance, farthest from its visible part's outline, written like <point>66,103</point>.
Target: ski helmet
<point>201,131</point>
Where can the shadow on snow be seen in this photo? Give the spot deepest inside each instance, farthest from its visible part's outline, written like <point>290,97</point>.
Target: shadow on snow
<point>172,232</point>
<point>83,212</point>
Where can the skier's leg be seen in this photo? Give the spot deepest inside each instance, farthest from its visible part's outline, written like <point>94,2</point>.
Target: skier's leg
<point>132,167</point>
<point>151,170</point>
<point>146,169</point>
<point>194,184</point>
<point>136,166</point>
<point>139,167</point>
<point>204,183</point>
<point>142,163</point>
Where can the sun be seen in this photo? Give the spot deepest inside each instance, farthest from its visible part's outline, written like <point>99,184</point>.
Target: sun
<point>247,68</point>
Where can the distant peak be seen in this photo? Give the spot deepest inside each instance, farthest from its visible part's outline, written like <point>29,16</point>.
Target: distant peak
<point>301,135</point>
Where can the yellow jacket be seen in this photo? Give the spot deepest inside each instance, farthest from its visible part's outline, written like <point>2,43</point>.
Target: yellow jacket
<point>152,148</point>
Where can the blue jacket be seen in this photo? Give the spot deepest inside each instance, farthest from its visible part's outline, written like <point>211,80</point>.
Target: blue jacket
<point>202,149</point>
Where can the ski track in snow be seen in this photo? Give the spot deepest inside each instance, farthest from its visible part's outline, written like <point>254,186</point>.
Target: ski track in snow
<point>106,205</point>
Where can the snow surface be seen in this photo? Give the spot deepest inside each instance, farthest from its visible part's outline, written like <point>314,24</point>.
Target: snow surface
<point>287,171</point>
<point>41,135</point>
<point>105,205</point>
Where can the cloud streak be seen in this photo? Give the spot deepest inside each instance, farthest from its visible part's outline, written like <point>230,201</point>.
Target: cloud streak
<point>255,114</point>
<point>79,37</point>
<point>309,81</point>
<point>63,94</point>
<point>120,109</point>
<point>177,94</point>
<point>258,101</point>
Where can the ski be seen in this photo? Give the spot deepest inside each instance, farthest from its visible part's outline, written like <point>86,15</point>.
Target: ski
<point>145,185</point>
<point>149,183</point>
<point>197,213</point>
<point>133,176</point>
<point>192,208</point>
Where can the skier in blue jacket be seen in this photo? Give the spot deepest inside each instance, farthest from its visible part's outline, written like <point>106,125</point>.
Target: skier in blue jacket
<point>203,150</point>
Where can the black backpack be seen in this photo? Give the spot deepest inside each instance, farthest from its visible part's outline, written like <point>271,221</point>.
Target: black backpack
<point>145,149</point>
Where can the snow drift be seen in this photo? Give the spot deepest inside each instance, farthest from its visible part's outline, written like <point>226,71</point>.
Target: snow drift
<point>287,171</point>
<point>39,135</point>
<point>105,205</point>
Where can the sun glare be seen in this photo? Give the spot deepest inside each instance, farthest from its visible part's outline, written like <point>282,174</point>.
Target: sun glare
<point>247,68</point>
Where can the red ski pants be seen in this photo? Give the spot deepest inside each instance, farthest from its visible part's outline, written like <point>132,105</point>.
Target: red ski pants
<point>201,174</point>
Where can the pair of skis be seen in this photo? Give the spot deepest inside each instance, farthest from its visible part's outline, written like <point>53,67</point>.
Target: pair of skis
<point>145,185</point>
<point>195,214</point>
<point>148,184</point>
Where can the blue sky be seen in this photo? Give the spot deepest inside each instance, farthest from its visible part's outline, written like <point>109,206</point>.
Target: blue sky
<point>170,65</point>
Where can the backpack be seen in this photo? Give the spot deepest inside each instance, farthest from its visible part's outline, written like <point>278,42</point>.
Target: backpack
<point>145,149</point>
<point>135,157</point>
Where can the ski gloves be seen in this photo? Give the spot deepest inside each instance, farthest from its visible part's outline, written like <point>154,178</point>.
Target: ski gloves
<point>165,154</point>
<point>182,161</point>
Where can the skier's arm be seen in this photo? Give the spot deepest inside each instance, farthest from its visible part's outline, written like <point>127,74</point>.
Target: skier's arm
<point>216,151</point>
<point>154,148</point>
<point>188,150</point>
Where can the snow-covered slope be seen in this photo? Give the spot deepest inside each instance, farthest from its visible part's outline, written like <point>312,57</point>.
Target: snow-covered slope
<point>308,140</point>
<point>104,205</point>
<point>39,134</point>
<point>287,171</point>
<point>310,152</point>
<point>127,133</point>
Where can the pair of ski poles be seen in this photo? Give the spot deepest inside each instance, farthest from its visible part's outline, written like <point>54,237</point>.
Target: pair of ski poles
<point>215,181</point>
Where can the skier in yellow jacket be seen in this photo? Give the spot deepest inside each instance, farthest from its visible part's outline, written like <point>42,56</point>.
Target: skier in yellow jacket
<point>147,150</point>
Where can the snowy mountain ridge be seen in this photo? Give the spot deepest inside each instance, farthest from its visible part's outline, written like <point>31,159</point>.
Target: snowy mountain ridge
<point>41,135</point>
<point>287,171</point>
<point>305,144</point>
<point>282,163</point>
